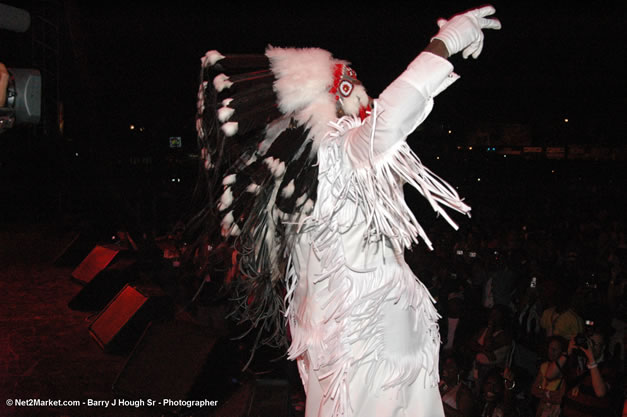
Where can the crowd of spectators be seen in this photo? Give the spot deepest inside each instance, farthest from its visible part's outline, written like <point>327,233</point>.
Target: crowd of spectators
<point>533,306</point>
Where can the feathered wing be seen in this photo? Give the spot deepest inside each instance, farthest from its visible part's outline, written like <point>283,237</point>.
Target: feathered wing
<point>260,172</point>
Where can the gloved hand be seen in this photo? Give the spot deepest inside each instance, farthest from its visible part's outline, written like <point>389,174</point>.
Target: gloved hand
<point>463,31</point>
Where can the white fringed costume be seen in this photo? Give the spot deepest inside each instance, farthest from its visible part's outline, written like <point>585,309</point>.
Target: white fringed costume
<point>313,208</point>
<point>364,328</point>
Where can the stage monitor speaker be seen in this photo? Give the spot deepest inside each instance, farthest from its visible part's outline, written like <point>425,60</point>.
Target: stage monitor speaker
<point>118,327</point>
<point>95,262</point>
<point>179,361</point>
<point>101,289</point>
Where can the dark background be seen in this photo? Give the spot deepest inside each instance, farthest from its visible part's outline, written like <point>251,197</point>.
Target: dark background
<point>140,61</point>
<point>137,63</point>
<point>116,64</point>
<point>548,61</point>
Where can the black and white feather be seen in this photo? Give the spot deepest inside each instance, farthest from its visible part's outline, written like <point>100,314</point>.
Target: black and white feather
<point>259,121</point>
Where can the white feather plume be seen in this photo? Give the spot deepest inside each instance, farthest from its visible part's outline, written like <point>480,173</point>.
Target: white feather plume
<point>227,221</point>
<point>288,190</point>
<point>226,199</point>
<point>253,188</point>
<point>211,57</point>
<point>229,179</point>
<point>308,207</point>
<point>225,113</point>
<point>235,230</point>
<point>230,128</point>
<point>221,81</point>
<point>302,75</point>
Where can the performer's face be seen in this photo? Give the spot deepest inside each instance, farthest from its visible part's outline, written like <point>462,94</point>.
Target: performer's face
<point>350,94</point>
<point>364,99</point>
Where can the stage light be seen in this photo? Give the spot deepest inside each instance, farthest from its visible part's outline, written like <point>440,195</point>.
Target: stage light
<point>132,127</point>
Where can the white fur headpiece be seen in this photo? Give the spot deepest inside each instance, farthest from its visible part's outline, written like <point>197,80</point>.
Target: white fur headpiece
<point>304,77</point>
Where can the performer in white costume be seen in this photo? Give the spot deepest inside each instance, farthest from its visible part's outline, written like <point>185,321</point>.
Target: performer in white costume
<point>363,328</point>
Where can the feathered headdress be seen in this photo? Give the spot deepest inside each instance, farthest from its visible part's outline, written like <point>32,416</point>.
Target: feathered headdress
<point>260,121</point>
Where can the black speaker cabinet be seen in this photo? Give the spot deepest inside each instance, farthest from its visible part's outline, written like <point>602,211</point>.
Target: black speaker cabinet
<point>270,398</point>
<point>118,327</point>
<point>75,251</point>
<point>179,361</point>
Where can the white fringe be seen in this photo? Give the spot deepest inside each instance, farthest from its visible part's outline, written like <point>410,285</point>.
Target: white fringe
<point>354,304</point>
<point>379,188</point>
<point>351,335</point>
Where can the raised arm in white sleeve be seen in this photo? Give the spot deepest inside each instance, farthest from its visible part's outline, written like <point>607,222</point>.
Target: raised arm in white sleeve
<point>401,108</point>
<point>407,102</point>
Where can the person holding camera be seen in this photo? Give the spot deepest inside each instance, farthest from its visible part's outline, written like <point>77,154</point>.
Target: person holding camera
<point>589,376</point>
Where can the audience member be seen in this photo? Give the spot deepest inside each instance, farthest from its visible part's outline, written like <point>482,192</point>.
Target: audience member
<point>560,319</point>
<point>590,376</point>
<point>496,394</point>
<point>501,283</point>
<point>492,344</point>
<point>456,397</point>
<point>561,241</point>
<point>550,392</point>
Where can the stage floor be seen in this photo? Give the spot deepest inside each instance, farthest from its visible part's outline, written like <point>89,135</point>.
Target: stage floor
<point>47,353</point>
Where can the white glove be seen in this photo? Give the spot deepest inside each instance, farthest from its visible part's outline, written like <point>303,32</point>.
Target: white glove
<point>463,31</point>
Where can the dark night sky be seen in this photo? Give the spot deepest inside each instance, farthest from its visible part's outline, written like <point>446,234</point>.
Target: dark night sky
<point>545,63</point>
<point>139,62</point>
